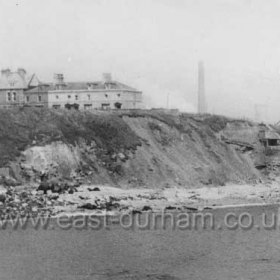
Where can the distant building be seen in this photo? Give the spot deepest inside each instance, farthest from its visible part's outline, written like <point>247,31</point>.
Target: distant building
<point>268,136</point>
<point>16,89</point>
<point>13,86</point>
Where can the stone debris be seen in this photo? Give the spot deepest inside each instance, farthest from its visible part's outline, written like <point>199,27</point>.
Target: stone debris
<point>57,185</point>
<point>15,203</point>
<point>96,189</point>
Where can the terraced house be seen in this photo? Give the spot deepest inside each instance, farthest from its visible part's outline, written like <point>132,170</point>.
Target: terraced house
<point>19,89</point>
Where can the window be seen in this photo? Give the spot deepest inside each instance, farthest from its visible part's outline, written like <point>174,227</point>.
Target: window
<point>88,106</point>
<point>69,96</point>
<point>57,97</point>
<point>88,96</point>
<point>56,106</point>
<point>14,96</point>
<point>27,98</point>
<point>39,98</point>
<point>76,97</point>
<point>106,95</point>
<point>9,96</point>
<point>105,106</point>
<point>272,142</point>
<point>119,95</point>
<point>118,105</point>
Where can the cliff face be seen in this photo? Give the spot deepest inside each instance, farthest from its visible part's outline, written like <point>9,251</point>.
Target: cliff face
<point>127,149</point>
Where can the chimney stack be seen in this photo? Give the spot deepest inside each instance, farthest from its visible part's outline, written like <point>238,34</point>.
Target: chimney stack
<point>58,81</point>
<point>21,72</point>
<point>5,72</point>
<point>201,107</point>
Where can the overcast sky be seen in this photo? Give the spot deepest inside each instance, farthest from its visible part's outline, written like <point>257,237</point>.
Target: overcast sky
<point>153,45</point>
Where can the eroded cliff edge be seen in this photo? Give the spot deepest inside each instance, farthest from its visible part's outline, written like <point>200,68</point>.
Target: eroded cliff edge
<point>135,148</point>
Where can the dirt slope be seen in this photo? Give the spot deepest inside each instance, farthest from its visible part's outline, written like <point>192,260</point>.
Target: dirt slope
<point>129,148</point>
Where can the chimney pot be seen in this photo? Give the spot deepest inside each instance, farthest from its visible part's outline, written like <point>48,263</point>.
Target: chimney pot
<point>5,72</point>
<point>21,72</point>
<point>58,81</point>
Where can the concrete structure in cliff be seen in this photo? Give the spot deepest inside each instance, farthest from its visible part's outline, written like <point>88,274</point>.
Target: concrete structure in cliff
<point>201,102</point>
<point>17,89</point>
<point>268,136</point>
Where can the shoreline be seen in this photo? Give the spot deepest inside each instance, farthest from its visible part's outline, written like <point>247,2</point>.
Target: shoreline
<point>116,201</point>
<point>28,201</point>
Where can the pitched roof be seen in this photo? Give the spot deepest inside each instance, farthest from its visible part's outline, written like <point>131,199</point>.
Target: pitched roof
<point>40,88</point>
<point>12,80</point>
<point>94,86</point>
<point>271,135</point>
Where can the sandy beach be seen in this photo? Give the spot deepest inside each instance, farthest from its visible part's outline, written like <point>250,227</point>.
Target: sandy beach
<point>96,199</point>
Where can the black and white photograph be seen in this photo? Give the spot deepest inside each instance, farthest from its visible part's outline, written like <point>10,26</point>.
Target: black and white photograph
<point>139,140</point>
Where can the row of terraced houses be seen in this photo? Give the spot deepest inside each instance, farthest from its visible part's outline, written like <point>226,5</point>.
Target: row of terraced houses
<point>19,89</point>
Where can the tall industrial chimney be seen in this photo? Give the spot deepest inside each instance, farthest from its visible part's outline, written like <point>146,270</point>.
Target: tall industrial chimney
<point>201,105</point>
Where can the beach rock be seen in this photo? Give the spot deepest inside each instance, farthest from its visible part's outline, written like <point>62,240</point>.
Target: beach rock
<point>49,203</point>
<point>53,195</point>
<point>2,198</point>
<point>136,211</point>
<point>96,189</point>
<point>146,208</point>
<point>23,195</point>
<point>83,198</point>
<point>170,208</point>
<point>121,156</point>
<point>88,206</point>
<point>190,208</point>
<point>16,200</point>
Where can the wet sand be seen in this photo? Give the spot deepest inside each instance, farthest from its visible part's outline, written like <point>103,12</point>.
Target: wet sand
<point>136,254</point>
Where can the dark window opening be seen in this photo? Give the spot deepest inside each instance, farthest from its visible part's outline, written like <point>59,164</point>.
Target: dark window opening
<point>39,98</point>
<point>56,106</point>
<point>69,96</point>
<point>14,96</point>
<point>105,106</point>
<point>27,98</point>
<point>106,95</point>
<point>88,106</point>
<point>118,105</point>
<point>273,142</point>
<point>76,97</point>
<point>72,106</point>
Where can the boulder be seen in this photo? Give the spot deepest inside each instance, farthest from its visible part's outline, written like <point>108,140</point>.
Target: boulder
<point>2,198</point>
<point>88,206</point>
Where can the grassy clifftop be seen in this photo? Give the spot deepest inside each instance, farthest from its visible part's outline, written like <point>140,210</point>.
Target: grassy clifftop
<point>22,128</point>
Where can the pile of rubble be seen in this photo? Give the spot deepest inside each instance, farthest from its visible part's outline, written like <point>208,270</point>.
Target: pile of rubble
<point>15,203</point>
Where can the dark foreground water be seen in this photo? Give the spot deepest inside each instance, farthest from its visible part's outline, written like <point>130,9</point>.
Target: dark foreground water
<point>117,253</point>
